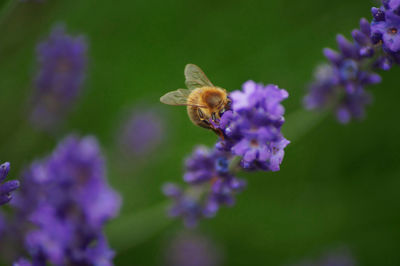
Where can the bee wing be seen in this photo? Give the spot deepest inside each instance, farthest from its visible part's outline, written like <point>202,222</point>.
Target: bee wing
<point>195,77</point>
<point>178,97</point>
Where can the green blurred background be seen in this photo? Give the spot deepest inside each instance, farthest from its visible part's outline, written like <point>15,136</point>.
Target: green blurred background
<point>338,185</point>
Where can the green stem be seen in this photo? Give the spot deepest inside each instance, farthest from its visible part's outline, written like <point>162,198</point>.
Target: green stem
<point>130,230</point>
<point>299,123</point>
<point>234,163</point>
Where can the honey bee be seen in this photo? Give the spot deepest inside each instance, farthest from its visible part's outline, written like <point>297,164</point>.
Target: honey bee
<point>205,102</point>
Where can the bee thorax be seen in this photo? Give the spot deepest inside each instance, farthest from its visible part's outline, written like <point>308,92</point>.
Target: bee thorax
<point>212,100</point>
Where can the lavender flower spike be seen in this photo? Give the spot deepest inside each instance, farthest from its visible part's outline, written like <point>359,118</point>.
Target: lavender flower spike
<point>66,200</point>
<point>252,140</point>
<point>253,128</point>
<point>61,63</point>
<point>211,185</point>
<point>7,187</point>
<point>341,84</point>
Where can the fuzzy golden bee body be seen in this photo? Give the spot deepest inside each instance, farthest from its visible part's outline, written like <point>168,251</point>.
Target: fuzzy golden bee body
<point>205,102</point>
<point>214,99</point>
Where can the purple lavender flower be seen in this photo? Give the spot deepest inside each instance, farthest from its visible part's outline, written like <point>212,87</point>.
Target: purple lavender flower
<point>252,140</point>
<point>189,249</point>
<point>386,25</point>
<point>211,184</point>
<point>22,262</point>
<point>66,199</point>
<point>7,187</point>
<point>186,204</point>
<point>62,63</point>
<point>142,133</point>
<point>340,84</point>
<point>252,128</point>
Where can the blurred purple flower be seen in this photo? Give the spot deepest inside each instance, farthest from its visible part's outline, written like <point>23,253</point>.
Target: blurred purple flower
<point>67,199</point>
<point>253,128</point>
<point>3,225</point>
<point>211,184</point>
<point>62,61</point>
<point>142,133</point>
<point>340,85</point>
<point>22,262</point>
<point>189,249</point>
<point>7,187</point>
<point>341,257</point>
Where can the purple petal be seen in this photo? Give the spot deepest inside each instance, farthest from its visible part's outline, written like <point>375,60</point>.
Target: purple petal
<point>4,169</point>
<point>365,27</point>
<point>332,55</point>
<point>8,187</point>
<point>343,115</point>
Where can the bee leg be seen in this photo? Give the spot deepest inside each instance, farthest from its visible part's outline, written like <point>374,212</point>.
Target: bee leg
<point>218,132</point>
<point>215,130</point>
<point>201,115</point>
<point>213,117</point>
